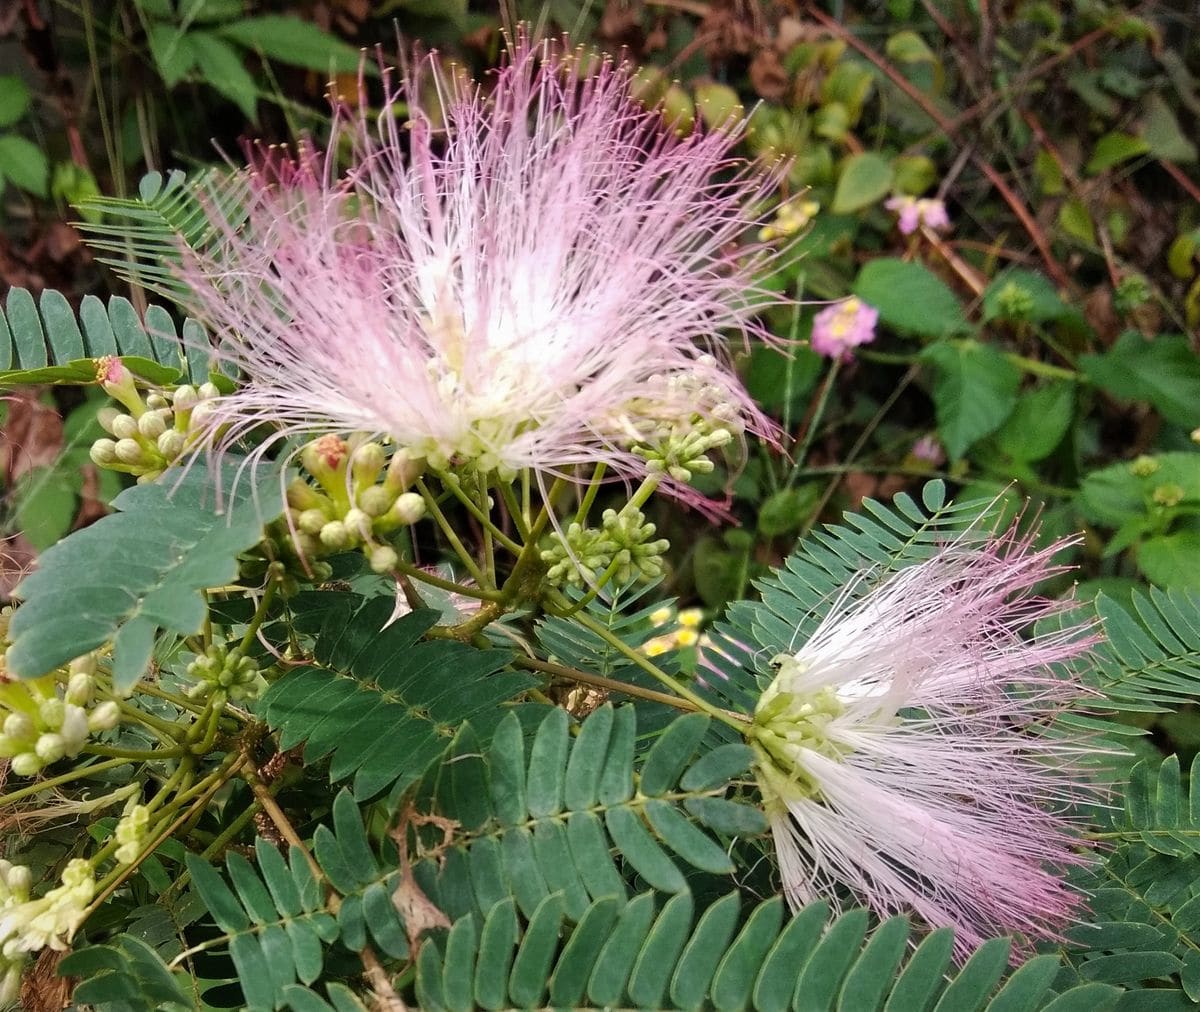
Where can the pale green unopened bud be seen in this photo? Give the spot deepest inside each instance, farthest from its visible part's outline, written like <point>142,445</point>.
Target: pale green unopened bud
<point>171,444</point>
<point>358,524</point>
<point>1169,495</point>
<point>1144,466</point>
<point>312,521</point>
<point>201,414</point>
<point>19,725</point>
<point>185,398</point>
<point>51,713</point>
<point>26,764</point>
<point>152,424</point>
<point>124,426</point>
<point>383,559</point>
<point>367,462</point>
<point>302,496</point>
<point>74,727</point>
<point>86,664</point>
<point>156,402</point>
<point>375,501</point>
<point>129,451</point>
<point>208,391</point>
<point>403,470</point>
<point>106,415</point>
<point>103,452</point>
<point>409,508</point>
<point>80,689</point>
<point>334,535</point>
<point>104,717</point>
<point>50,748</point>
<point>19,880</point>
<point>9,747</point>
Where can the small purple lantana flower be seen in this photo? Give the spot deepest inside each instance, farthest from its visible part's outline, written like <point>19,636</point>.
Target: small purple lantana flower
<point>914,212</point>
<point>907,750</point>
<point>842,327</point>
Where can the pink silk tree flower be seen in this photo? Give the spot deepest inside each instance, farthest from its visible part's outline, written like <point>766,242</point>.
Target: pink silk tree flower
<point>913,212</point>
<point>843,326</point>
<point>905,750</point>
<point>498,275</point>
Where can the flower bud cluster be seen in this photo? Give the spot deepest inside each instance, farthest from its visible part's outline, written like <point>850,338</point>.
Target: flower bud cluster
<point>791,217</point>
<point>43,721</point>
<point>361,496</point>
<point>152,433</point>
<point>624,543</point>
<point>1015,302</point>
<point>225,674</point>
<point>131,833</point>
<point>30,925</point>
<point>675,429</point>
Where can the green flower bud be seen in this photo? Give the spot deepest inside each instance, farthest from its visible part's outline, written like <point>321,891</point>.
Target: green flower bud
<point>367,461</point>
<point>156,402</point>
<point>9,747</point>
<point>185,398</point>
<point>52,712</point>
<point>106,415</point>
<point>334,535</point>
<point>171,444</point>
<point>19,726</point>
<point>383,559</point>
<point>104,717</point>
<point>311,521</point>
<point>358,525</point>
<point>124,426</point>
<point>80,689</point>
<point>152,424</point>
<point>208,391</point>
<point>85,664</point>
<point>26,764</point>
<point>1169,495</point>
<point>50,748</point>
<point>403,470</point>
<point>103,452</point>
<point>129,451</point>
<point>408,508</point>
<point>375,501</point>
<point>302,496</point>
<point>1144,466</point>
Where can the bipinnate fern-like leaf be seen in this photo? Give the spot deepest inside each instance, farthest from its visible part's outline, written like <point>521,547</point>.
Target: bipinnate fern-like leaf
<point>579,816</point>
<point>380,704</point>
<point>655,952</point>
<point>45,341</point>
<point>139,570</point>
<point>1144,924</point>
<point>142,238</point>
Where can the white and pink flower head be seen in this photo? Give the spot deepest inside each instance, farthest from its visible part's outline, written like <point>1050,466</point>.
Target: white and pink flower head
<point>499,273</point>
<point>913,212</point>
<point>906,750</point>
<point>842,327</point>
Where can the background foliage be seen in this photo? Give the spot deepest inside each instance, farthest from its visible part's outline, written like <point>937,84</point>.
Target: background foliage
<point>1043,349</point>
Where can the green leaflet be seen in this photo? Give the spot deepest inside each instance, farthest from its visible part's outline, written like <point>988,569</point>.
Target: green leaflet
<point>138,571</point>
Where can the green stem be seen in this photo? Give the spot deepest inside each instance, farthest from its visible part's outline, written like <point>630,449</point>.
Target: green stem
<point>260,613</point>
<point>479,513</point>
<point>589,497</point>
<point>135,754</point>
<point>460,549</point>
<point>563,673</point>
<point>167,730</point>
<point>514,510</point>
<point>63,778</point>
<point>736,721</point>
<point>408,569</point>
<point>1029,365</point>
<point>814,423</point>
<point>644,491</point>
<point>594,591</point>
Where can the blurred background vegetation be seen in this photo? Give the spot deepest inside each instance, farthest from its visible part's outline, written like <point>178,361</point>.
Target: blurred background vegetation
<point>1041,350</point>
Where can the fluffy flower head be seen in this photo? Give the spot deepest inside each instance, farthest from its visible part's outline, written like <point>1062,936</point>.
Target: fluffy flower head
<point>843,326</point>
<point>901,750</point>
<point>495,280</point>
